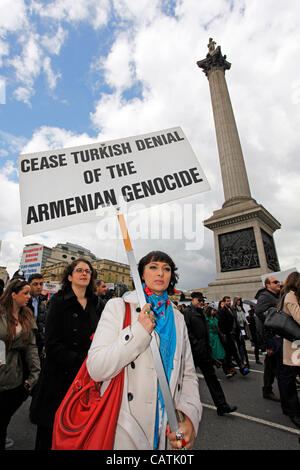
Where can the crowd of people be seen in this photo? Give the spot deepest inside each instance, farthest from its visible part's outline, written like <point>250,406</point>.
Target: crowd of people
<point>46,342</point>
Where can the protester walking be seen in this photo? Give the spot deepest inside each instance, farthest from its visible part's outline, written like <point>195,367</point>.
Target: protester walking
<point>229,327</point>
<point>101,291</point>
<point>198,331</point>
<point>37,303</point>
<point>253,333</point>
<point>142,421</point>
<point>22,366</point>
<point>290,363</point>
<point>268,297</point>
<point>242,329</point>
<point>215,341</point>
<point>71,321</point>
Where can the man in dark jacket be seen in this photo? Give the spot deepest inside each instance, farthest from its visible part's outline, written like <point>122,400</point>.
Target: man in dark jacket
<point>101,290</point>
<point>229,327</point>
<point>199,338</point>
<point>269,297</point>
<point>253,332</point>
<point>37,303</point>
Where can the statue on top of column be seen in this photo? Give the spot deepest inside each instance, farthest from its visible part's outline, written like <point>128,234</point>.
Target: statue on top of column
<point>211,46</point>
<point>214,59</point>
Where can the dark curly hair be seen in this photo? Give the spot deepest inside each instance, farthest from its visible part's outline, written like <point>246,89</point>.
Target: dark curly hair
<point>164,258</point>
<point>66,284</point>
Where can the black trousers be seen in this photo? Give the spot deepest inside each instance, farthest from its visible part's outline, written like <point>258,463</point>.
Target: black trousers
<point>212,382</point>
<point>231,351</point>
<point>288,389</point>
<point>256,351</point>
<point>43,440</point>
<point>271,370</point>
<point>10,401</point>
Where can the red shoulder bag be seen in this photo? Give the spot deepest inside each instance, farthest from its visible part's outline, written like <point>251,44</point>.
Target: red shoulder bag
<point>84,420</point>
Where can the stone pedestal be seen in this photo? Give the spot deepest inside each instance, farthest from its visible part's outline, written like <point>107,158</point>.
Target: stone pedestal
<point>243,229</point>
<point>244,248</point>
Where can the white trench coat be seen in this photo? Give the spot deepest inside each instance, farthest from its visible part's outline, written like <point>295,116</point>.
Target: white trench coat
<point>114,348</point>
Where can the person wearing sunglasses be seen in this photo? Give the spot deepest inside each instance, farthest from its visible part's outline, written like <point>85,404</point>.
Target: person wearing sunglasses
<point>269,297</point>
<point>71,322</point>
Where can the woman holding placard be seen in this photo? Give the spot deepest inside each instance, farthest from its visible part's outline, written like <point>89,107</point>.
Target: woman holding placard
<point>142,422</point>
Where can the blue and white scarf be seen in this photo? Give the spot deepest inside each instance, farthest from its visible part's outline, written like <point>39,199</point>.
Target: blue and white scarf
<point>165,328</point>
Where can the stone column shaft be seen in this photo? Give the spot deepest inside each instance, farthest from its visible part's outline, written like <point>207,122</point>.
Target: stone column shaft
<point>234,174</point>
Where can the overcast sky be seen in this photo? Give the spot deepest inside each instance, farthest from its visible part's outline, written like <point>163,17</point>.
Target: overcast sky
<point>77,72</point>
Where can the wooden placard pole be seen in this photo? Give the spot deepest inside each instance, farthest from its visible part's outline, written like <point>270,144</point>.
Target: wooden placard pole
<point>163,382</point>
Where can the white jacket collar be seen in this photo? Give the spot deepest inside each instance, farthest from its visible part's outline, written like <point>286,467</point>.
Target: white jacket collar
<point>131,297</point>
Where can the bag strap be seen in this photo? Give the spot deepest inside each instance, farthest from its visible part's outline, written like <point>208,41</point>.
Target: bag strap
<point>127,318</point>
<point>282,301</point>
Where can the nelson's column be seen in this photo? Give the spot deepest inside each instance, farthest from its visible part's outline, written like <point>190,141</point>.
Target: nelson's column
<point>243,229</point>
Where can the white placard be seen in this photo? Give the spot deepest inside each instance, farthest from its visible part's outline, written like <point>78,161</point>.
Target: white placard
<point>31,261</point>
<point>51,287</point>
<point>65,187</point>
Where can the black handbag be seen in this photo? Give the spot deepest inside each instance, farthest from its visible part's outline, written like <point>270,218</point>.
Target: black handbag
<point>281,323</point>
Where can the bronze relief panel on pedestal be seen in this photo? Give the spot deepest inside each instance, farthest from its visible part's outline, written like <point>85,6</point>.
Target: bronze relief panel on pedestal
<point>238,250</point>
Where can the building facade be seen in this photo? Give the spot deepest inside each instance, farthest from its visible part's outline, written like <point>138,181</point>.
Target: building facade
<point>51,262</point>
<point>4,274</point>
<point>112,272</point>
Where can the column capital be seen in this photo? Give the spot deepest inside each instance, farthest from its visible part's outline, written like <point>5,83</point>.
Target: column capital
<point>214,59</point>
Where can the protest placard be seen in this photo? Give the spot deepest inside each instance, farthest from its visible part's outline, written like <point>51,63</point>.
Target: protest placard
<point>65,187</point>
<point>75,185</point>
<point>31,260</point>
<point>51,287</point>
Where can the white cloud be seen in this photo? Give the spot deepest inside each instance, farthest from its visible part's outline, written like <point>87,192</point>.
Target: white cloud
<point>12,15</point>
<point>47,138</point>
<point>54,43</point>
<point>118,70</point>
<point>4,50</point>
<point>13,144</point>
<point>93,11</point>
<point>50,75</point>
<point>23,94</point>
<point>28,65</point>
<point>139,12</point>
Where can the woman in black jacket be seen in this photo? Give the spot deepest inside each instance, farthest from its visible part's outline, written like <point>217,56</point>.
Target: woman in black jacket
<point>71,321</point>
